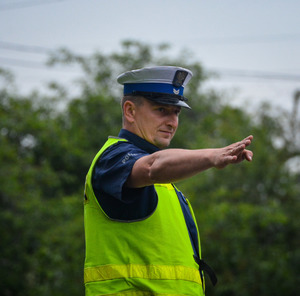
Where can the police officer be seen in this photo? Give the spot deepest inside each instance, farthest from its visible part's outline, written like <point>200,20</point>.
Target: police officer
<point>141,233</point>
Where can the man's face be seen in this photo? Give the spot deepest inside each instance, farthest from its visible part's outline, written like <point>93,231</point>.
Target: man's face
<point>156,123</point>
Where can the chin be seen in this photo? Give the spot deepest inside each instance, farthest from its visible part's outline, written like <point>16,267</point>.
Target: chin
<point>163,145</point>
<point>162,142</point>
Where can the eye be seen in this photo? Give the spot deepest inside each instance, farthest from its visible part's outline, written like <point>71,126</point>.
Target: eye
<point>177,112</point>
<point>162,109</point>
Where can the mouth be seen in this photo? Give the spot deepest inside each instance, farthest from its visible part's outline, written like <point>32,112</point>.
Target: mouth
<point>167,133</point>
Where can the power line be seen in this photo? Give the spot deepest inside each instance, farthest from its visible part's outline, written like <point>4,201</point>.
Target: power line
<point>270,38</point>
<point>257,74</point>
<point>12,46</point>
<point>45,50</point>
<point>11,6</point>
<point>222,72</point>
<point>24,48</point>
<point>21,63</point>
<point>31,64</point>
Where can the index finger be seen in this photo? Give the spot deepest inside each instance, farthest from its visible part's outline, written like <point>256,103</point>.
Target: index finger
<point>247,141</point>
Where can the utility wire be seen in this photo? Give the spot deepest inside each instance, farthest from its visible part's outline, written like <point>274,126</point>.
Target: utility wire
<point>30,64</point>
<point>12,46</point>
<point>221,72</point>
<point>44,50</point>
<point>11,6</point>
<point>21,63</point>
<point>257,74</point>
<point>246,39</point>
<point>24,48</point>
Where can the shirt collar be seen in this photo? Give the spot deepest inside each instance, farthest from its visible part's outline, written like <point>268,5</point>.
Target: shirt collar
<point>138,141</point>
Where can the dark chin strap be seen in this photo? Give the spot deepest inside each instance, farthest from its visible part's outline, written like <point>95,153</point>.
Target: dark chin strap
<point>203,266</point>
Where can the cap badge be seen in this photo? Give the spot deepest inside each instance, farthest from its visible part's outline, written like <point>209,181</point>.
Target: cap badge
<point>179,78</point>
<point>176,91</point>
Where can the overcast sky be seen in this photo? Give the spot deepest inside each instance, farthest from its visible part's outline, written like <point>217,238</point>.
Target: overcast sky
<point>254,45</point>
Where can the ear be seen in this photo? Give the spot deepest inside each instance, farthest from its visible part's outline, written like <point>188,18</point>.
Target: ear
<point>129,111</point>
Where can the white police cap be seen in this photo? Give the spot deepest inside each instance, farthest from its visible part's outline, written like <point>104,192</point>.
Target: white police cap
<point>162,84</point>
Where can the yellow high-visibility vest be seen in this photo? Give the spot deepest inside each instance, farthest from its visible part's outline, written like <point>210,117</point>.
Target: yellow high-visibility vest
<point>153,256</point>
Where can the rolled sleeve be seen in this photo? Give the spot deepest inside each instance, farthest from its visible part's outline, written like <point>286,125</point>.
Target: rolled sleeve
<point>113,168</point>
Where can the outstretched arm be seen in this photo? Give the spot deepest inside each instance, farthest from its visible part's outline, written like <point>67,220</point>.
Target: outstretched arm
<point>172,165</point>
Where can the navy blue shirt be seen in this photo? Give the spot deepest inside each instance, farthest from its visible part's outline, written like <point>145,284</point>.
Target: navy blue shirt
<point>130,204</point>
<point>111,172</point>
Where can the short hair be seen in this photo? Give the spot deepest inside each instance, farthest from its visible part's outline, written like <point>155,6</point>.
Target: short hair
<point>137,100</point>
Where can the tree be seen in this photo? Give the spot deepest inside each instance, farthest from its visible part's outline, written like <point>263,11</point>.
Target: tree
<point>247,214</point>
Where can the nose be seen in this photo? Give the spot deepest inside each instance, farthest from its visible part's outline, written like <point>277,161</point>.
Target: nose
<point>172,120</point>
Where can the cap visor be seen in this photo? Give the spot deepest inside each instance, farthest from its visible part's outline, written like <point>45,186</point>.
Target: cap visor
<point>167,101</point>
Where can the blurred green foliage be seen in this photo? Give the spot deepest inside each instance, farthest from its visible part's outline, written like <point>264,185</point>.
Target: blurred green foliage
<point>248,214</point>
